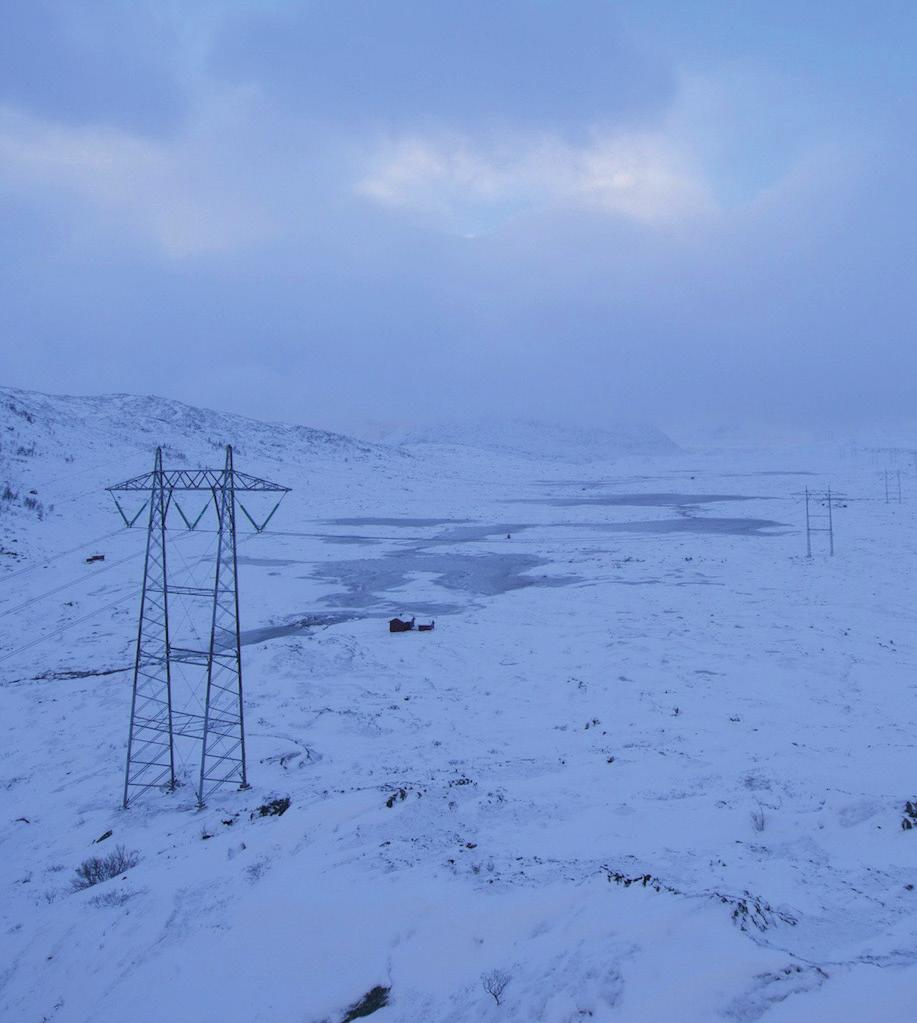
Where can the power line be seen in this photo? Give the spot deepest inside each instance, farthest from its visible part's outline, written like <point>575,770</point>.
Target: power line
<point>64,628</point>
<point>63,586</point>
<point>84,618</point>
<point>81,579</point>
<point>63,554</point>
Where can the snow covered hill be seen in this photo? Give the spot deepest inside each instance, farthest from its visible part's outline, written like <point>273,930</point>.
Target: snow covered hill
<point>41,427</point>
<point>54,447</point>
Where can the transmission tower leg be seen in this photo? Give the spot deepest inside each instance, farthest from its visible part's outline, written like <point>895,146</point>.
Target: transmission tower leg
<point>150,744</point>
<point>223,752</point>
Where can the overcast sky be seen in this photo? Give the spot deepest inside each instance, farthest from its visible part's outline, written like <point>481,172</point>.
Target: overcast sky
<point>330,211</point>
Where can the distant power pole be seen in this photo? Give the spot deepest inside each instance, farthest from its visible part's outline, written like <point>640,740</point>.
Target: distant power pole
<point>888,490</point>
<point>808,527</point>
<point>830,524</point>
<point>826,517</point>
<point>155,721</point>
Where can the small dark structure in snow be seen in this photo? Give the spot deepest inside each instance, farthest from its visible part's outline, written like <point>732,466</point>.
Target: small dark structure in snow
<point>397,625</point>
<point>95,557</point>
<point>426,628</point>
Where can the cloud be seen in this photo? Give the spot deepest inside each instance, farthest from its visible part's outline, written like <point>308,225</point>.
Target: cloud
<point>101,61</point>
<point>239,176</point>
<point>167,191</point>
<point>639,176</point>
<point>541,64</point>
<point>674,233</point>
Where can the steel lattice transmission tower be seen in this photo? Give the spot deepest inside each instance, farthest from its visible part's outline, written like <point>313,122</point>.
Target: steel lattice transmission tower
<point>155,721</point>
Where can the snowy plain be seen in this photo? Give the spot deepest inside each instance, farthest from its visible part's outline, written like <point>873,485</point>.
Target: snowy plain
<point>652,762</point>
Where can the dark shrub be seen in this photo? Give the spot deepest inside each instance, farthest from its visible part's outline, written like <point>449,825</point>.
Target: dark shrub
<point>100,868</point>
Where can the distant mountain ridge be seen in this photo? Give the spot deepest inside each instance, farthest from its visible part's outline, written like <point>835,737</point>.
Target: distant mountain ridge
<point>537,439</point>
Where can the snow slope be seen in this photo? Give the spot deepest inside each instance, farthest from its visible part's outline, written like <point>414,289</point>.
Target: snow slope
<point>652,762</point>
<point>40,434</point>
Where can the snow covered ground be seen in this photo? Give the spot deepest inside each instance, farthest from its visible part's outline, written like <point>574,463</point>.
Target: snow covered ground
<point>652,763</point>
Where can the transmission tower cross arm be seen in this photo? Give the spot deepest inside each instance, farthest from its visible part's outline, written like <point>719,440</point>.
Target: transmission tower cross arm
<point>242,481</point>
<point>198,479</point>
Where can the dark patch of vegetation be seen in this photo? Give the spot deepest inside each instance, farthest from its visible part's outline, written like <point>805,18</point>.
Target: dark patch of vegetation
<point>910,816</point>
<point>66,675</point>
<point>641,879</point>
<point>746,909</point>
<point>32,504</point>
<point>374,999</point>
<point>273,808</point>
<point>36,506</point>
<point>21,412</point>
<point>100,868</point>
<point>111,899</point>
<point>401,794</point>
